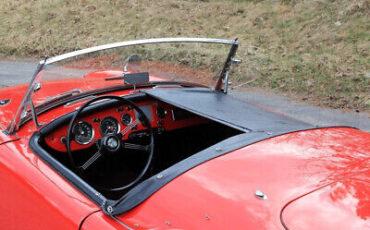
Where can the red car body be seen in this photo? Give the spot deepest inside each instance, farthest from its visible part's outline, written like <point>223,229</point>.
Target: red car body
<point>311,179</point>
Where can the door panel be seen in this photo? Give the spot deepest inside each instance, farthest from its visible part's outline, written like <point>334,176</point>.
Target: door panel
<point>34,196</point>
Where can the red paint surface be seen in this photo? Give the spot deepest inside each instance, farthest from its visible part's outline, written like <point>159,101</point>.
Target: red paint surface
<point>101,221</point>
<point>33,195</point>
<point>284,168</point>
<point>341,205</point>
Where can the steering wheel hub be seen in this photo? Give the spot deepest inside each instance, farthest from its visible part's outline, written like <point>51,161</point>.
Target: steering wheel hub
<point>111,142</point>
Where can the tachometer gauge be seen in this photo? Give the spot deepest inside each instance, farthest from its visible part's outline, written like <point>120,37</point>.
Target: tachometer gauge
<point>126,119</point>
<point>83,132</point>
<point>109,125</point>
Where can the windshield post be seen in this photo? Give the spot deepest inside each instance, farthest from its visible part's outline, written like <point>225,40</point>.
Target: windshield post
<point>26,102</point>
<point>224,76</point>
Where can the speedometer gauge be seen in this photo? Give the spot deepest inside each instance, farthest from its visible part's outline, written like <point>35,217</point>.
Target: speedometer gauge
<point>83,132</point>
<point>109,125</point>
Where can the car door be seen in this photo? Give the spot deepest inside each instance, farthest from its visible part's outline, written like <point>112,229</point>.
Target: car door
<point>34,196</point>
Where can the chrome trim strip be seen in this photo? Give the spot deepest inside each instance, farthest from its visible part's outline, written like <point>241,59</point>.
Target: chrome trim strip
<point>135,42</point>
<point>121,223</point>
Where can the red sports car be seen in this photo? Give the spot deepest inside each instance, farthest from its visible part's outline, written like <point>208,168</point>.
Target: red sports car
<point>143,135</point>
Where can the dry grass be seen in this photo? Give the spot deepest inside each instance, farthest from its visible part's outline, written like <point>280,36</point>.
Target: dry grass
<point>315,50</point>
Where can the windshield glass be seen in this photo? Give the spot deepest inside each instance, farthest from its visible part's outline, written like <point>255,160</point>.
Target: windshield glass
<point>190,62</point>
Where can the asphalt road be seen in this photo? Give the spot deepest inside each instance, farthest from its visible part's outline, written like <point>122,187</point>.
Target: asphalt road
<point>17,71</point>
<point>14,72</point>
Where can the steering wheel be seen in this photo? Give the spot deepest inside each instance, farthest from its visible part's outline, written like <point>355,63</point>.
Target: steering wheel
<point>111,143</point>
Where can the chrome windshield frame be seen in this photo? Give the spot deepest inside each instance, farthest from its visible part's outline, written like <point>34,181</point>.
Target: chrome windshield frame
<point>136,42</point>
<point>27,99</point>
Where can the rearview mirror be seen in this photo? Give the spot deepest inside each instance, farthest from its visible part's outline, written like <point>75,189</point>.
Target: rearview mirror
<point>133,63</point>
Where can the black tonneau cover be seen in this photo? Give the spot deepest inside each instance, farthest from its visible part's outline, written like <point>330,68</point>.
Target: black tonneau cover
<point>228,110</point>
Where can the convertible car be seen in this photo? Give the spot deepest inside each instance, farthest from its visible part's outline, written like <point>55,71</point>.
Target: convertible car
<point>144,135</point>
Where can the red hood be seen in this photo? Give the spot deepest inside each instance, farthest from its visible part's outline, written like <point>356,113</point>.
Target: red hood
<point>220,194</point>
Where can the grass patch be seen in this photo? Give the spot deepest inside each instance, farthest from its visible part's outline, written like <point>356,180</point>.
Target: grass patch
<point>315,50</point>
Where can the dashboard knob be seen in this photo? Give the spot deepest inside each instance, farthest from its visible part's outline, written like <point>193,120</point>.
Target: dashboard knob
<point>161,112</point>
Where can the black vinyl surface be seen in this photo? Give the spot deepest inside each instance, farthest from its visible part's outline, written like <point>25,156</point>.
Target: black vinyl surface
<point>228,110</point>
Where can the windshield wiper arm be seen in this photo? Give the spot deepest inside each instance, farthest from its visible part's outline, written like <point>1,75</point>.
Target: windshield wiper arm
<point>63,95</point>
<point>50,100</point>
<point>114,78</point>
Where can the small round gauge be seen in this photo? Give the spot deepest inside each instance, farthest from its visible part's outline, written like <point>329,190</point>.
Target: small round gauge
<point>126,119</point>
<point>83,132</point>
<point>161,112</point>
<point>109,125</point>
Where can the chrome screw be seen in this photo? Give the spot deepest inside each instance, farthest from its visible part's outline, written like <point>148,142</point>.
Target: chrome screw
<point>159,176</point>
<point>109,209</point>
<point>260,195</point>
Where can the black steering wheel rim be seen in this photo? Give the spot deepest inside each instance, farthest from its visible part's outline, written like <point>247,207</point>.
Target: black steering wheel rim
<point>145,121</point>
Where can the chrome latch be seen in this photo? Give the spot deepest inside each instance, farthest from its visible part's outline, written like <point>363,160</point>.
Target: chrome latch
<point>4,102</point>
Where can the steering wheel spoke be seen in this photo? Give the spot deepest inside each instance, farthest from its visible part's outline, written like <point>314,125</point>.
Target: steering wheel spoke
<point>91,160</point>
<point>129,127</point>
<point>132,146</point>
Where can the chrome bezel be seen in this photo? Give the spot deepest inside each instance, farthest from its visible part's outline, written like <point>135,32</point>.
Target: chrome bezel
<point>115,120</point>
<point>130,119</point>
<point>92,131</point>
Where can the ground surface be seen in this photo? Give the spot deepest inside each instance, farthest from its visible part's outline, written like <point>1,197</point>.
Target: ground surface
<point>17,71</point>
<point>316,51</point>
